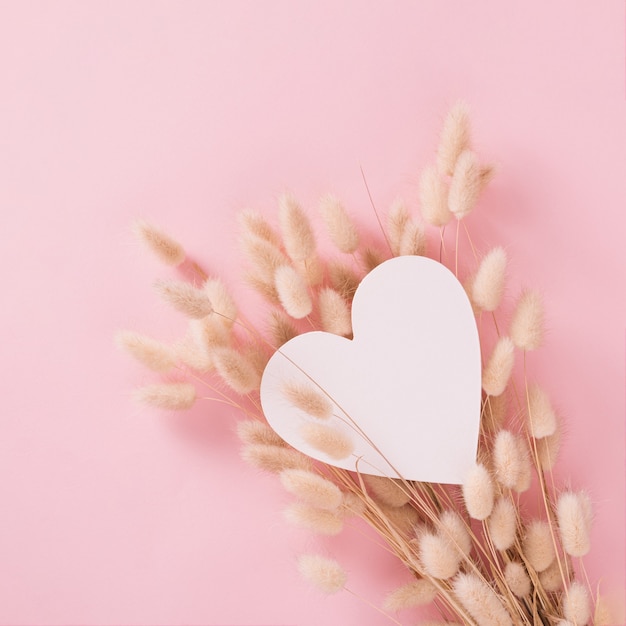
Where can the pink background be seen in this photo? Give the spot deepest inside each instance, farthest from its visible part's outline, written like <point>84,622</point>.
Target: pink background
<point>187,112</point>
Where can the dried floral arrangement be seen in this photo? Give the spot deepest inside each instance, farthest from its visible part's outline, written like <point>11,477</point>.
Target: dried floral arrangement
<point>472,551</point>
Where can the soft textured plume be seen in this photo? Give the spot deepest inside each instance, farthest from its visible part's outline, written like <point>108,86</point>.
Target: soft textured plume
<point>390,491</point>
<point>433,190</point>
<point>193,354</point>
<point>312,488</point>
<point>455,138</point>
<point>542,419</point>
<point>263,286</point>
<point>210,332</point>
<point>576,604</point>
<point>371,258</point>
<point>551,578</point>
<point>151,353</point>
<point>186,298</point>
<point>517,579</point>
<point>255,225</point>
<point>353,504</point>
<point>480,601</point>
<point>312,270</point>
<point>502,524</point>
<point>494,412</point>
<point>397,220</point>
<point>454,528</point>
<point>416,593</point>
<point>341,229</point>
<point>334,312</point>
<point>465,186</point>
<point>478,492</point>
<point>438,556</point>
<point>172,396</point>
<point>602,613</point>
<point>327,439</point>
<point>401,518</point>
<point>538,545</point>
<point>548,449</point>
<point>323,573</point>
<point>236,370</point>
<point>343,280</point>
<point>308,399</point>
<point>293,292</point>
<point>413,240</point>
<point>281,329</point>
<point>488,283</point>
<point>297,233</point>
<point>574,517</point>
<point>497,371</point>
<point>507,463</point>
<point>321,521</point>
<point>526,328</point>
<point>264,257</point>
<point>257,432</point>
<point>221,300</point>
<point>525,477</point>
<point>274,459</point>
<point>166,249</point>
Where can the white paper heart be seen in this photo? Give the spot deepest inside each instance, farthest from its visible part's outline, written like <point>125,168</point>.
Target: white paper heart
<point>406,389</point>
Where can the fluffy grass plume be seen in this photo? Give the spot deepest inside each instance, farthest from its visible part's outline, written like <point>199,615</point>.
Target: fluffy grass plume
<point>327,439</point>
<point>538,546</point>
<point>334,312</point>
<point>497,371</point>
<point>151,353</point>
<point>525,477</point>
<point>488,283</point>
<point>548,449</point>
<point>465,185</point>
<point>438,556</point>
<point>308,399</point>
<point>507,463</point>
<point>433,191</point>
<point>257,432</point>
<point>274,459</point>
<point>542,421</point>
<point>478,492</point>
<point>454,528</point>
<point>502,524</point>
<point>221,300</point>
<point>397,220</point>
<point>551,578</point>
<point>371,258</point>
<point>210,332</point>
<point>312,488</point>
<point>402,518</point>
<point>184,297</point>
<point>602,613</point>
<point>236,370</point>
<point>416,593</point>
<point>576,604</point>
<point>480,601</point>
<point>293,292</point>
<point>166,249</point>
<point>281,329</point>
<point>323,573</point>
<point>517,579</point>
<point>574,517</point>
<point>343,279</point>
<point>264,258</point>
<point>342,231</point>
<point>494,412</point>
<point>455,138</point>
<point>296,229</point>
<point>320,521</point>
<point>171,396</point>
<point>526,328</point>
<point>253,224</point>
<point>387,490</point>
<point>413,240</point>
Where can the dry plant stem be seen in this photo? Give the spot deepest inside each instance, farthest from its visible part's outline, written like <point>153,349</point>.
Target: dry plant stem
<point>382,230</point>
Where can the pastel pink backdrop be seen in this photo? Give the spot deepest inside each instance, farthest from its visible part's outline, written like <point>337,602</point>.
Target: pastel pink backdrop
<point>184,113</point>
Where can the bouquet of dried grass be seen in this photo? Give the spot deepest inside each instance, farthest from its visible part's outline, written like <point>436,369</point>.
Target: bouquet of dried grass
<point>472,552</point>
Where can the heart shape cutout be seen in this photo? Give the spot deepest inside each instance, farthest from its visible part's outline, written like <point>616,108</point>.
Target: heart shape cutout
<point>406,390</point>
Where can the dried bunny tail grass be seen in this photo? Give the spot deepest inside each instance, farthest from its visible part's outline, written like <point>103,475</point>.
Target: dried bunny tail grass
<point>502,524</point>
<point>397,220</point>
<point>171,396</point>
<point>478,492</point>
<point>186,298</point>
<point>548,449</point>
<point>293,292</point>
<point>312,488</point>
<point>454,528</point>
<point>517,579</point>
<point>343,280</point>
<point>413,240</point>
<point>256,432</point>
<point>274,459</point>
<point>371,258</point>
<point>256,354</point>
<point>342,231</point>
<point>576,604</point>
<point>602,613</point>
<point>401,518</point>
<point>465,186</point>
<point>255,225</point>
<point>488,283</point>
<point>494,412</point>
<point>353,504</point>
<point>525,477</point>
<point>323,573</point>
<point>327,439</point>
<point>480,601</point>
<point>542,420</point>
<point>210,332</point>
<point>416,593</point>
<point>334,312</point>
<point>389,491</point>
<point>507,462</point>
<point>433,191</point>
<point>264,257</point>
<point>281,329</point>
<point>193,354</point>
<point>551,578</point>
<point>321,521</point>
<point>455,138</point>
<point>263,286</point>
<point>526,328</point>
<point>537,545</point>
<point>166,249</point>
<point>497,371</point>
<point>308,399</point>
<point>151,353</point>
<point>236,370</point>
<point>574,517</point>
<point>221,300</point>
<point>438,556</point>
<point>296,229</point>
<point>312,269</point>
